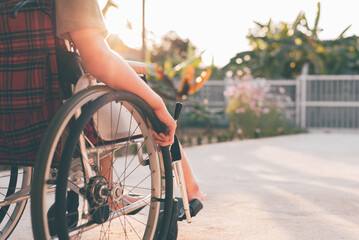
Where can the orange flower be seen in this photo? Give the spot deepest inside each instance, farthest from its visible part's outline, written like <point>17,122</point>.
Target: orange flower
<point>159,71</point>
<point>187,78</point>
<point>200,81</point>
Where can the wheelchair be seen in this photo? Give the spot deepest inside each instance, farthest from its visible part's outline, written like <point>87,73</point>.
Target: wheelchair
<point>98,173</point>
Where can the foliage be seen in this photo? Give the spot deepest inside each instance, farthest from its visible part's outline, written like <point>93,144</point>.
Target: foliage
<point>199,140</point>
<point>176,75</point>
<point>217,73</point>
<point>281,50</point>
<point>190,83</point>
<point>342,57</point>
<point>171,48</point>
<point>170,61</point>
<point>176,50</point>
<point>254,111</point>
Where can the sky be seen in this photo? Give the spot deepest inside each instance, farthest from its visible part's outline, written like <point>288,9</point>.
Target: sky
<point>219,28</point>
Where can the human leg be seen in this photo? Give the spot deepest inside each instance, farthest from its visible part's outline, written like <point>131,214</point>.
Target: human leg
<point>193,190</point>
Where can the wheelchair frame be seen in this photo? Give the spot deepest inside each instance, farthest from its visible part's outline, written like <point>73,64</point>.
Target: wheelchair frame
<point>45,176</point>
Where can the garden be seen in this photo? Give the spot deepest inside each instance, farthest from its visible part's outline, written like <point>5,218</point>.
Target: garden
<point>254,109</point>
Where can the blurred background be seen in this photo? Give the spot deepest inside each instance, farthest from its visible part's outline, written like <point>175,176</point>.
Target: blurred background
<point>245,69</point>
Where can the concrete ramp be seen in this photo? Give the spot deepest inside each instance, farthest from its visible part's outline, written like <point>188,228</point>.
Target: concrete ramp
<point>298,187</point>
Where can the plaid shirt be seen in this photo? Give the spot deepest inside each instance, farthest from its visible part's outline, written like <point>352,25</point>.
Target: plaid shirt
<point>29,85</point>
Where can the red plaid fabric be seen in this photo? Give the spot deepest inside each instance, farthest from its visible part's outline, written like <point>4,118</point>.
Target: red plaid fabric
<point>29,85</point>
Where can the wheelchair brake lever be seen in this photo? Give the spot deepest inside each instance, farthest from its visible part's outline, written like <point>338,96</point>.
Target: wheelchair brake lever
<point>178,109</point>
<point>177,166</point>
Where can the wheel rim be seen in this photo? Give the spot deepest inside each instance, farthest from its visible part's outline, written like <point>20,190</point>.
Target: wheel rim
<point>10,214</point>
<point>42,177</point>
<point>41,200</point>
<point>125,164</point>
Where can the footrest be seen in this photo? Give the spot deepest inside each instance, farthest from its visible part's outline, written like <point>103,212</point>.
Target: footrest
<point>194,207</point>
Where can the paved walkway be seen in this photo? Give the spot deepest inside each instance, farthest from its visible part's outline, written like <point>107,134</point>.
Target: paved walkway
<point>299,187</point>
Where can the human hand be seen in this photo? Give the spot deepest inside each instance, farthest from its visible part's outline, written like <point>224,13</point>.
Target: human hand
<point>167,137</point>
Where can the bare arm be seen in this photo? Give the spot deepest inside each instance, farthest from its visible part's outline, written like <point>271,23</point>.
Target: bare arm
<point>103,63</point>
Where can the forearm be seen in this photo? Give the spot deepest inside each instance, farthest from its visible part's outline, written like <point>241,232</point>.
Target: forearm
<point>100,61</point>
<point>107,66</point>
<point>116,73</point>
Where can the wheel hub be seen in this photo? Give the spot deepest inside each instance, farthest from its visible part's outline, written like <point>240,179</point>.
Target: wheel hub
<point>116,193</point>
<point>97,196</point>
<point>99,191</point>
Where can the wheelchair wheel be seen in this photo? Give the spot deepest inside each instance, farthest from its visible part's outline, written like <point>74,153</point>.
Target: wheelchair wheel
<point>129,184</point>
<point>14,192</point>
<point>44,180</point>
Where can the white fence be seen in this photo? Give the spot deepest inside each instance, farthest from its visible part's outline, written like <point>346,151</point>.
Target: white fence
<point>319,101</point>
<point>211,94</point>
<point>329,101</point>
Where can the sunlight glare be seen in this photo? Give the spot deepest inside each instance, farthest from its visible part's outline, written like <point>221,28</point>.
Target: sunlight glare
<point>117,21</point>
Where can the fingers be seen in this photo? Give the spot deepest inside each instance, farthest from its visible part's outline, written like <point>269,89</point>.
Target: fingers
<point>167,137</point>
<point>163,139</point>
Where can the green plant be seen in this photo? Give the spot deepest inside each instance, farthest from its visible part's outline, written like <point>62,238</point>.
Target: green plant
<point>281,50</point>
<point>199,140</point>
<point>231,135</point>
<point>222,137</point>
<point>190,82</point>
<point>175,74</point>
<point>209,138</point>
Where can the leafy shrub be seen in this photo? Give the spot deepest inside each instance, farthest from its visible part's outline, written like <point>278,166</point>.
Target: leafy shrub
<point>254,111</point>
<point>199,140</point>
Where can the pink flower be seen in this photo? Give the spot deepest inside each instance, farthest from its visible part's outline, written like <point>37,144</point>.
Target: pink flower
<point>240,110</point>
<point>266,110</point>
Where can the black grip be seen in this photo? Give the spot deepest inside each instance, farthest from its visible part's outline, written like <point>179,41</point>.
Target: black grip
<point>175,150</point>
<point>177,110</point>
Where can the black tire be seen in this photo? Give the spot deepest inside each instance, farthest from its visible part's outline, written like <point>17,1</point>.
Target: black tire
<point>12,181</point>
<point>42,189</point>
<point>149,177</point>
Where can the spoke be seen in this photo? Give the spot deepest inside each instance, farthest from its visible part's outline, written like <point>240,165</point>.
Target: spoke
<point>118,120</point>
<point>16,188</point>
<point>137,220</point>
<point>134,230</point>
<point>142,188</point>
<point>126,145</point>
<point>140,182</point>
<point>109,227</point>
<point>132,172</point>
<point>133,159</point>
<point>9,175</point>
<point>123,226</point>
<point>9,216</point>
<point>103,231</point>
<point>124,169</point>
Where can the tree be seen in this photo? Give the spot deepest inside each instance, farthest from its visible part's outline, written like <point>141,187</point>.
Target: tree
<point>281,50</point>
<point>171,48</point>
<point>176,58</point>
